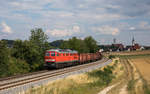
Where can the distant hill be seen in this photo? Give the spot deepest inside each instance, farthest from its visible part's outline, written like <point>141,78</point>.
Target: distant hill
<point>147,47</point>
<point>9,42</point>
<point>56,43</point>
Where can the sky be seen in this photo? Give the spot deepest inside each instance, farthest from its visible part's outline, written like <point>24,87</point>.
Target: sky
<point>63,19</point>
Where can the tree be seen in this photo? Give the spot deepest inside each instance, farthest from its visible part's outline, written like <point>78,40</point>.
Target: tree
<point>28,51</point>
<point>39,38</point>
<point>4,59</point>
<point>75,44</point>
<point>91,44</point>
<point>32,51</point>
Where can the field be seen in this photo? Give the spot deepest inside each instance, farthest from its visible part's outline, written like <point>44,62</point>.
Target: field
<point>143,66</point>
<point>136,79</point>
<point>144,52</point>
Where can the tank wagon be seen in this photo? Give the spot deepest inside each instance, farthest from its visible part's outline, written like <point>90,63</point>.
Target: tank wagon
<point>59,58</point>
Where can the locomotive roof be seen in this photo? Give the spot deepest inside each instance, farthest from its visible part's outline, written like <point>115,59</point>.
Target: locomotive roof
<point>63,50</point>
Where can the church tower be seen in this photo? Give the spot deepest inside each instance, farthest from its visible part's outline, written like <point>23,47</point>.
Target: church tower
<point>133,41</point>
<point>114,41</point>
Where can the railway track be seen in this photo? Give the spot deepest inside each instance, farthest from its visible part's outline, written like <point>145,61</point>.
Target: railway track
<point>9,82</point>
<point>21,75</point>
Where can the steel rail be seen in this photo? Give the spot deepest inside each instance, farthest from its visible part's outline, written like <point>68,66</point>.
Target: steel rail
<point>21,75</point>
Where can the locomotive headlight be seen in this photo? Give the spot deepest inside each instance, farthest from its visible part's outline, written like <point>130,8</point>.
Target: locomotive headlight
<point>50,60</point>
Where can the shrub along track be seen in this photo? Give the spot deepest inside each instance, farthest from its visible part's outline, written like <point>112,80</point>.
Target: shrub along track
<point>9,82</point>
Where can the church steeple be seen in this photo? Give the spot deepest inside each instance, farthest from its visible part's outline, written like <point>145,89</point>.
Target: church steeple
<point>133,41</point>
<point>114,41</point>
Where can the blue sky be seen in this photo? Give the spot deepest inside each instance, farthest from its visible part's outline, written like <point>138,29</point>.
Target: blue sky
<point>63,19</point>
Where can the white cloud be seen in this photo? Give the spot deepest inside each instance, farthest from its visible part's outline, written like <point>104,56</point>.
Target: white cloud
<point>107,30</point>
<point>66,14</point>
<point>63,32</point>
<point>144,25</point>
<point>6,28</point>
<point>141,26</point>
<point>132,28</point>
<point>58,32</point>
<point>76,29</point>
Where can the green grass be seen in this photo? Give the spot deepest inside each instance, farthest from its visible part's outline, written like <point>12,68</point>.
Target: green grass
<point>90,88</point>
<point>146,88</point>
<point>131,84</point>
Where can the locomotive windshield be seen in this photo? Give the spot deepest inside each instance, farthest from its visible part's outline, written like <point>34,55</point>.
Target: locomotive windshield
<point>47,54</point>
<point>52,54</point>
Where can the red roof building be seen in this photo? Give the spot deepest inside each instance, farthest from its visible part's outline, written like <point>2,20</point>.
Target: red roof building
<point>136,46</point>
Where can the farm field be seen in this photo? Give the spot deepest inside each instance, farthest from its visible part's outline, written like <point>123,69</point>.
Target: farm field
<point>144,52</point>
<point>143,66</point>
<point>136,79</point>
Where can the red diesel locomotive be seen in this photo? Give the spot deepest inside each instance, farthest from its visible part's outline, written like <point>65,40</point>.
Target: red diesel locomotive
<point>59,58</point>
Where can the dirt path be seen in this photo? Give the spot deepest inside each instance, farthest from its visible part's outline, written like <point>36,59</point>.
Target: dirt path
<point>123,90</point>
<point>105,90</point>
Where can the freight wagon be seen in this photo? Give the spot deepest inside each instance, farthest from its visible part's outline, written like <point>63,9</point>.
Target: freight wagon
<point>59,58</point>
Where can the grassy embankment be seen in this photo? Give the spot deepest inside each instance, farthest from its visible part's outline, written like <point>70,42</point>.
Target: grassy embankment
<point>87,83</point>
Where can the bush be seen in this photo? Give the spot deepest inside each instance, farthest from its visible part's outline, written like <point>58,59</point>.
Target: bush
<point>17,66</point>
<point>131,84</point>
<point>105,76</point>
<point>111,56</point>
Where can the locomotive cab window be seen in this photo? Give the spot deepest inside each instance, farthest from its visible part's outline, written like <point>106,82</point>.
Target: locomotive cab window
<point>52,54</point>
<point>47,54</point>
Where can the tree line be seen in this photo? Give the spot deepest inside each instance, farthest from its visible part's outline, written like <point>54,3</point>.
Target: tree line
<point>28,55</point>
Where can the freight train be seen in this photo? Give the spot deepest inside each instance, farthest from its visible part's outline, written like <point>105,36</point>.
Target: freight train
<point>59,58</point>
